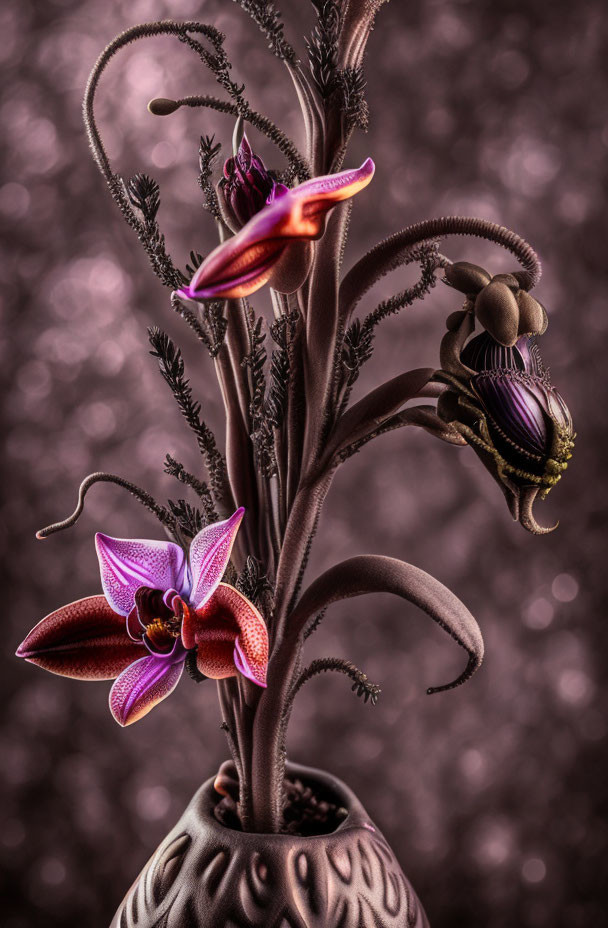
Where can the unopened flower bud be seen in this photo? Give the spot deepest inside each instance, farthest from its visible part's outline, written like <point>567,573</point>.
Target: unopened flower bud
<point>246,185</point>
<point>502,307</point>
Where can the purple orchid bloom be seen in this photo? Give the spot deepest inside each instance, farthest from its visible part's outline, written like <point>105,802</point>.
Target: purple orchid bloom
<point>157,605</point>
<point>274,246</point>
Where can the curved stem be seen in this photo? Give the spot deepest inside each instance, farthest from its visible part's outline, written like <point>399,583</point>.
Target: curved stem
<point>143,31</point>
<point>162,107</point>
<point>361,684</point>
<point>161,513</point>
<point>392,252</point>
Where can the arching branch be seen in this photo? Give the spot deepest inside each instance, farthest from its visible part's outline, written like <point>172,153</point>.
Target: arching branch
<point>424,417</point>
<point>376,574</point>
<point>216,63</point>
<point>161,513</point>
<point>361,685</point>
<point>164,107</point>
<point>394,251</point>
<point>371,411</point>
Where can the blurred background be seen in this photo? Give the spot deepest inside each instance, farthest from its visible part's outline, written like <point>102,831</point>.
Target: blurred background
<point>493,796</point>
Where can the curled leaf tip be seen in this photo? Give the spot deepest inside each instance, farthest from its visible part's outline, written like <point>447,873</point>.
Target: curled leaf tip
<point>472,665</point>
<point>526,514</point>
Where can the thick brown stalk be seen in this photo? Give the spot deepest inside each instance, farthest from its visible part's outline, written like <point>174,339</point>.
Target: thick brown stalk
<point>268,730</point>
<point>322,324</point>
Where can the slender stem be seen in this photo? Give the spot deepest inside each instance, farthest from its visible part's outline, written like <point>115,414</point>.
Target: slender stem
<point>143,31</point>
<point>161,512</point>
<point>299,163</point>
<point>393,251</point>
<point>322,327</point>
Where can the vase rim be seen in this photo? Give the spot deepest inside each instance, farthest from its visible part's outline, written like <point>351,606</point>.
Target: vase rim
<point>357,817</point>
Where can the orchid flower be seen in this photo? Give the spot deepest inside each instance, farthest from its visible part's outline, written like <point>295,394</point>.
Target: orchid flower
<point>274,246</point>
<point>157,605</point>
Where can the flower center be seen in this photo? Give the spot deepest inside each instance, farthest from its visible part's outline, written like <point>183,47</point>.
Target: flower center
<point>161,631</point>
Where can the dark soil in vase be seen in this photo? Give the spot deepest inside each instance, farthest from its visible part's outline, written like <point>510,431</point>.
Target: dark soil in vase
<point>207,875</point>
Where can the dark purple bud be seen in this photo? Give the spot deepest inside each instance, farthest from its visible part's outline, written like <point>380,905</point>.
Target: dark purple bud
<point>529,422</point>
<point>483,353</point>
<point>246,185</point>
<point>502,402</point>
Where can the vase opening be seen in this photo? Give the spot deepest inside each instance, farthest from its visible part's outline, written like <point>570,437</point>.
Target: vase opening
<point>310,809</point>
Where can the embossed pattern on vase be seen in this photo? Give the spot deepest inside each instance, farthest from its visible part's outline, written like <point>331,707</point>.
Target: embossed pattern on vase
<point>204,875</point>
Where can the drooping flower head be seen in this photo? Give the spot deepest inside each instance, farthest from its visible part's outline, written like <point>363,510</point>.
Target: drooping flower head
<point>500,396</point>
<point>158,605</point>
<point>273,246</point>
<point>528,420</point>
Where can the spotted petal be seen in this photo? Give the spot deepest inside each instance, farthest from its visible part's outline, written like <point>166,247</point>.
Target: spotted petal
<point>209,555</point>
<point>128,564</point>
<point>86,640</point>
<point>144,684</point>
<point>230,635</point>
<point>244,263</point>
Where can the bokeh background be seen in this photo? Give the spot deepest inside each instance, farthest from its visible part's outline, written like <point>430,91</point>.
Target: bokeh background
<point>493,796</point>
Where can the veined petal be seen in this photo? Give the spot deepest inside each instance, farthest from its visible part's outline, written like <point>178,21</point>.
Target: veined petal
<point>128,564</point>
<point>518,406</point>
<point>209,556</point>
<point>85,640</point>
<point>143,685</point>
<point>230,635</point>
<point>244,263</point>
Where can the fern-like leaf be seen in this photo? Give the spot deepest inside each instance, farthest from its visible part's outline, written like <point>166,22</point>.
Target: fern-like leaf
<point>172,368</point>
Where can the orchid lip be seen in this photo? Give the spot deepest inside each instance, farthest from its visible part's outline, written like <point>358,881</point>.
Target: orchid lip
<point>178,651</point>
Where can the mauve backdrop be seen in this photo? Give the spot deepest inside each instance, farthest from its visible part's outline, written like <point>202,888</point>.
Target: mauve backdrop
<point>493,796</point>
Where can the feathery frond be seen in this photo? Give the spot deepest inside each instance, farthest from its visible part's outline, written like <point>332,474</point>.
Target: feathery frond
<point>172,368</point>
<point>361,685</point>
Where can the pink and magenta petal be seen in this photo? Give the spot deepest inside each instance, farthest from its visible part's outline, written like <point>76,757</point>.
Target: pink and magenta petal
<point>244,263</point>
<point>128,564</point>
<point>142,686</point>
<point>332,188</point>
<point>209,555</point>
<point>85,640</point>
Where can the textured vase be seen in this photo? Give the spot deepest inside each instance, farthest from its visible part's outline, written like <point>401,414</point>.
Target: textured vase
<point>205,875</point>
